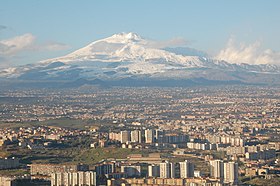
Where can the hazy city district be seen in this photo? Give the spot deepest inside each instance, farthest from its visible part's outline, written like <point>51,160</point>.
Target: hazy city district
<point>196,136</point>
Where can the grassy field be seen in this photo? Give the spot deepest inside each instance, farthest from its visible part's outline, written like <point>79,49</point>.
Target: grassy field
<point>13,172</point>
<point>264,182</point>
<point>199,164</point>
<point>73,155</point>
<point>96,155</point>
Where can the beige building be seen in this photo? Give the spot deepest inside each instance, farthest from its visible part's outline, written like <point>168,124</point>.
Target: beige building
<point>217,169</point>
<point>136,136</point>
<point>186,169</point>
<point>149,136</point>
<point>163,182</point>
<point>166,170</point>
<point>231,173</point>
<point>73,178</point>
<point>5,181</point>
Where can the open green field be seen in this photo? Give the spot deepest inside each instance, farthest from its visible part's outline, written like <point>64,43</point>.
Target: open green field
<point>73,155</point>
<point>264,182</point>
<point>14,172</point>
<point>199,164</point>
<point>96,155</point>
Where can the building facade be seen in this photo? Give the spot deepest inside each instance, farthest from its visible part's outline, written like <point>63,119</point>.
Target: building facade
<point>217,169</point>
<point>167,170</point>
<point>73,179</point>
<point>153,171</point>
<point>231,173</point>
<point>9,163</point>
<point>131,170</point>
<point>186,169</point>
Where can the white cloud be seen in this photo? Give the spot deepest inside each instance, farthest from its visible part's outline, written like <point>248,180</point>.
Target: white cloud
<point>251,53</point>
<point>12,48</point>
<point>16,44</point>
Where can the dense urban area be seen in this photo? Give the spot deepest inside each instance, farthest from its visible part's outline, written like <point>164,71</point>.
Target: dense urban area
<point>87,136</point>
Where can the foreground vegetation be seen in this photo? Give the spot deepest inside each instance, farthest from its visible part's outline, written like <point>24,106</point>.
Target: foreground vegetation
<point>264,182</point>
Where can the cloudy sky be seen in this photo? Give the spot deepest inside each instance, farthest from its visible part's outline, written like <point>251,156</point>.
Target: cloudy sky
<point>236,31</point>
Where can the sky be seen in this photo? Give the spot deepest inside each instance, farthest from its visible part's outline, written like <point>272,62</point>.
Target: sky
<point>236,30</point>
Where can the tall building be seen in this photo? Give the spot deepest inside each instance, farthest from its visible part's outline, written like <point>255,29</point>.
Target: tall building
<point>73,178</point>
<point>105,168</point>
<point>186,169</point>
<point>131,170</point>
<point>167,170</point>
<point>136,136</point>
<point>217,169</point>
<point>159,134</point>
<point>115,136</point>
<point>153,171</point>
<point>6,181</point>
<point>231,173</point>
<point>9,163</point>
<point>125,136</point>
<point>149,136</point>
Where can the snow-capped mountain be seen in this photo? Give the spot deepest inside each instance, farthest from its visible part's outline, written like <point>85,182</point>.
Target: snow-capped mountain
<point>129,55</point>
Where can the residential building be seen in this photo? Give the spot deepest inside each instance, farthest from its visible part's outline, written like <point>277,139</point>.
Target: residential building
<point>131,170</point>
<point>186,169</point>
<point>231,173</point>
<point>153,171</point>
<point>149,136</point>
<point>73,178</point>
<point>136,136</point>
<point>125,136</point>
<point>167,170</point>
<point>217,169</point>
<point>105,168</point>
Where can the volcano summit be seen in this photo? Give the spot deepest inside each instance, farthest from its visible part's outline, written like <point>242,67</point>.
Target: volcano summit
<point>129,56</point>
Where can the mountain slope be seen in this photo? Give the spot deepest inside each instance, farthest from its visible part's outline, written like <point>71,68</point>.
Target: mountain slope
<point>127,55</point>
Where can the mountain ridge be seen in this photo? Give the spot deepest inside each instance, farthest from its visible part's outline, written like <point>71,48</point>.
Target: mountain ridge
<point>128,55</point>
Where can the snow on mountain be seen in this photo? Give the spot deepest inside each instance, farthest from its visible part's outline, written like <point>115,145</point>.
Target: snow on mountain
<point>129,49</point>
<point>103,50</point>
<point>126,55</point>
<point>121,47</point>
